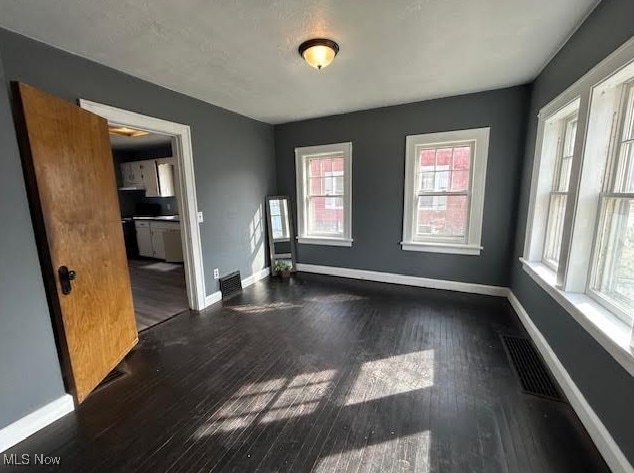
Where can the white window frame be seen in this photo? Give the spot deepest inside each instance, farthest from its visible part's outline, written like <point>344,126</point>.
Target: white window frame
<point>559,123</point>
<point>302,157</point>
<point>478,138</point>
<point>569,284</point>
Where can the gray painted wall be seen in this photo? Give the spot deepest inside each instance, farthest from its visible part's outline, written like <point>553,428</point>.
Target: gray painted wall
<point>30,375</point>
<point>608,388</point>
<point>378,170</point>
<point>234,165</point>
<point>233,155</point>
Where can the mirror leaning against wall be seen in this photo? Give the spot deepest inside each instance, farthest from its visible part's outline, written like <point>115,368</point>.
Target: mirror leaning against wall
<point>281,235</point>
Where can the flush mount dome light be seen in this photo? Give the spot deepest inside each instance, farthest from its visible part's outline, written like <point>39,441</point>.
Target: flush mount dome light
<point>125,131</point>
<point>318,52</point>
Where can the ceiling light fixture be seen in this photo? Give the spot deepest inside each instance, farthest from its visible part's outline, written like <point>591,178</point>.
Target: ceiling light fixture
<point>318,52</point>
<point>125,131</point>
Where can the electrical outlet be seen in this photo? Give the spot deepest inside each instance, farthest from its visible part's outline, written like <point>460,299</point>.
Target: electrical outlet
<point>216,273</point>
<point>200,217</point>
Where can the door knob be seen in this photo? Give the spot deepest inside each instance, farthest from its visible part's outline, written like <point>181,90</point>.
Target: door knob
<point>66,276</point>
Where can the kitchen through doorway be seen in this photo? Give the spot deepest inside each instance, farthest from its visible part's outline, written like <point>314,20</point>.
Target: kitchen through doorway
<point>184,204</point>
<point>146,180</point>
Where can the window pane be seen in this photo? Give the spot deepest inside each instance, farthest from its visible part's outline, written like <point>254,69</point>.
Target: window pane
<point>325,215</point>
<point>333,183</point>
<point>625,169</point>
<point>460,180</point>
<point>628,125</point>
<point>564,175</point>
<point>441,216</point>
<point>316,186</point>
<point>570,134</point>
<point>614,274</point>
<point>554,228</point>
<point>444,169</point>
<point>567,152</point>
<point>333,203</point>
<point>320,167</point>
<point>426,181</point>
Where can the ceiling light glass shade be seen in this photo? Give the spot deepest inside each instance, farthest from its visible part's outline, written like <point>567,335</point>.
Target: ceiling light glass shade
<point>125,131</point>
<point>319,52</point>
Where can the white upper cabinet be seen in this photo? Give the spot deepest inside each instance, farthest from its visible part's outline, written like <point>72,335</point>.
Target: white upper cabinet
<point>156,176</point>
<point>149,176</point>
<point>131,174</point>
<point>165,170</point>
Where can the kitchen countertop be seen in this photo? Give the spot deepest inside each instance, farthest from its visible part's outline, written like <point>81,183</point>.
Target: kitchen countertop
<point>160,218</point>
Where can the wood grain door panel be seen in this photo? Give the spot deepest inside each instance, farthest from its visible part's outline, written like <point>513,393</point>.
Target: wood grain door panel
<point>71,180</point>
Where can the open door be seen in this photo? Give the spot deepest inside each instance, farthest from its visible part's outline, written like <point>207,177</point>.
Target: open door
<point>72,189</point>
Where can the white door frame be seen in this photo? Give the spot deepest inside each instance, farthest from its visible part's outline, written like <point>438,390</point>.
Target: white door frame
<point>185,190</point>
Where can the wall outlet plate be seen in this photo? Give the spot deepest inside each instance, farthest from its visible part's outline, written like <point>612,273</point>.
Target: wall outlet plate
<point>216,273</point>
<point>200,217</point>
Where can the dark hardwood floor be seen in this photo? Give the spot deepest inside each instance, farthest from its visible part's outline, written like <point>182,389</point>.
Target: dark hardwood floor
<point>327,375</point>
<point>158,290</point>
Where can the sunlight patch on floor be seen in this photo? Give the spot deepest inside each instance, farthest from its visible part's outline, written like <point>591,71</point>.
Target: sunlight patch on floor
<point>378,457</point>
<point>270,401</point>
<point>334,298</point>
<point>393,375</point>
<point>262,308</point>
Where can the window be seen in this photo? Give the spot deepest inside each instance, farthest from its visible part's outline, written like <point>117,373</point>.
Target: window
<point>324,193</point>
<point>613,268</point>
<point>566,131</point>
<point>444,191</point>
<point>580,232</point>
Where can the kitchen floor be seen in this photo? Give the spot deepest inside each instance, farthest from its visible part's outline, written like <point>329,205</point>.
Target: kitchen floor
<point>158,290</point>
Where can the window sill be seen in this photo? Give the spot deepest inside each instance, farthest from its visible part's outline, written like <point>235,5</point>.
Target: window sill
<point>325,241</point>
<point>611,332</point>
<point>450,248</point>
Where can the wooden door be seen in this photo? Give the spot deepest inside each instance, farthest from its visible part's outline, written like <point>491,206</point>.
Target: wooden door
<point>71,181</point>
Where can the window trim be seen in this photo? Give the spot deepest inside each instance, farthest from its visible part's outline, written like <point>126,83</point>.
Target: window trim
<point>608,191</point>
<point>562,133</point>
<point>302,155</point>
<point>568,286</point>
<point>471,245</point>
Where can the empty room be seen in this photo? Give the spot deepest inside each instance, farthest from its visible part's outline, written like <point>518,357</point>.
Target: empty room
<point>316,236</point>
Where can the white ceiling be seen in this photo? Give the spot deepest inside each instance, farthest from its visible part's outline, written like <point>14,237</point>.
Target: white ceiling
<point>242,54</point>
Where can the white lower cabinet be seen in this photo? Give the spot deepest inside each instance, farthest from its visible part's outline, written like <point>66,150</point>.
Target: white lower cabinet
<point>157,242</point>
<point>144,238</point>
<point>150,236</point>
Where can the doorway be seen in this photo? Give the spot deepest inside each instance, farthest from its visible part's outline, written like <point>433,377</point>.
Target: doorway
<point>144,166</point>
<point>176,141</point>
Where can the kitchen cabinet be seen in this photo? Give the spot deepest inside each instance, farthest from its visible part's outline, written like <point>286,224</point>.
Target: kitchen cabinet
<point>144,238</point>
<point>156,176</point>
<point>131,175</point>
<point>166,178</point>
<point>157,241</point>
<point>151,237</point>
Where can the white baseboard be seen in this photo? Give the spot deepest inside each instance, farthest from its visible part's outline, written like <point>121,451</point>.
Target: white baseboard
<point>257,276</point>
<point>609,449</point>
<point>393,278</point>
<point>36,420</point>
<point>246,282</point>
